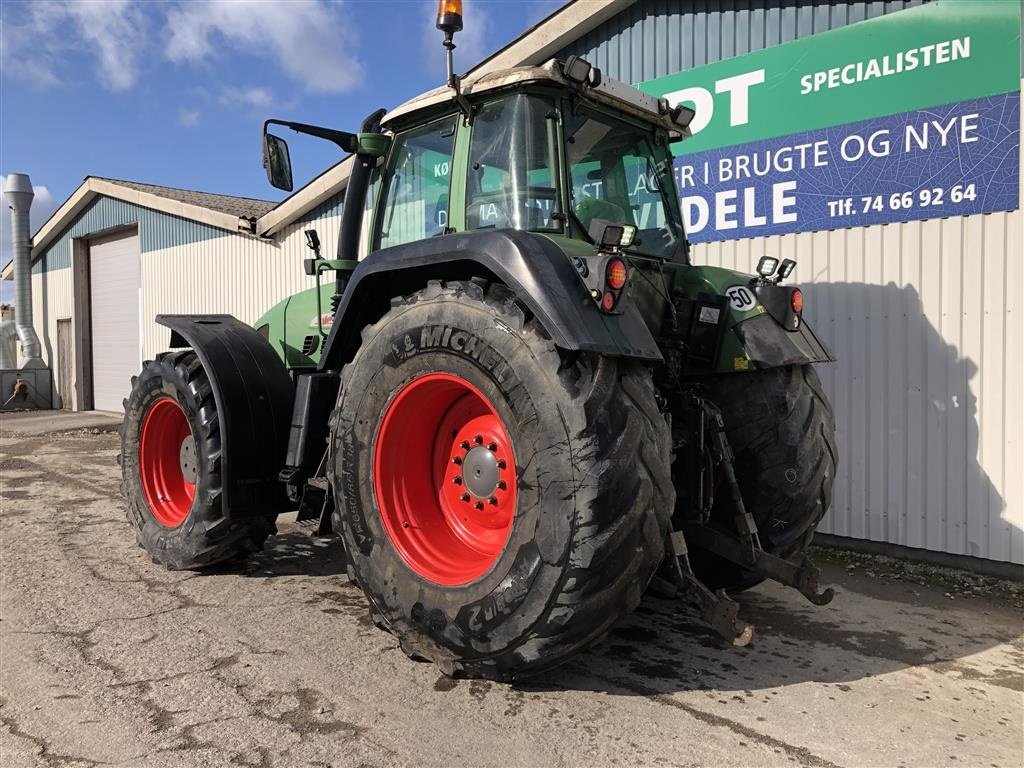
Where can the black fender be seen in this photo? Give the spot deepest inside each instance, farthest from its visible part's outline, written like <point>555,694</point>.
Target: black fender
<point>531,265</point>
<point>254,394</point>
<point>769,345</point>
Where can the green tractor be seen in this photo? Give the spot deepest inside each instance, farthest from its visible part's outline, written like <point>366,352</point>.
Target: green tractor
<point>523,407</point>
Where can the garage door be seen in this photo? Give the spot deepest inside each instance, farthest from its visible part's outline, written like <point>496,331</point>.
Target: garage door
<point>114,289</point>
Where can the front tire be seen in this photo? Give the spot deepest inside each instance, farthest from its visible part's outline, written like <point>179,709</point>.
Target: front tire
<point>170,469</point>
<point>550,524</point>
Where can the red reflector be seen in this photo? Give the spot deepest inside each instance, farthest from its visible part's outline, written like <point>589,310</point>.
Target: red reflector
<point>796,300</point>
<point>608,301</point>
<point>615,274</point>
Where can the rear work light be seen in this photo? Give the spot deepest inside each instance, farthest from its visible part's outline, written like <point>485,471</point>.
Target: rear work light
<point>796,300</point>
<point>615,274</point>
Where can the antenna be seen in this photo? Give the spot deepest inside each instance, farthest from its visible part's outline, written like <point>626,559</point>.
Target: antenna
<point>449,21</point>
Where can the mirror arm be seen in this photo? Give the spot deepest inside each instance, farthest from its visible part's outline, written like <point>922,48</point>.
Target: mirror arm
<point>347,141</point>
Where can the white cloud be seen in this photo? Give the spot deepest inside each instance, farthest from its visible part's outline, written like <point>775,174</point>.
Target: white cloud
<point>189,118</point>
<point>257,96</point>
<point>113,31</point>
<point>308,39</point>
<point>43,206</point>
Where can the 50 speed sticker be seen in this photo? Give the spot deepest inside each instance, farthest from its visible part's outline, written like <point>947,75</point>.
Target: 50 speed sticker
<point>741,298</point>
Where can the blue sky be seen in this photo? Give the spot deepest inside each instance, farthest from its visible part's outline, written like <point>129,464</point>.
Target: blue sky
<point>175,93</point>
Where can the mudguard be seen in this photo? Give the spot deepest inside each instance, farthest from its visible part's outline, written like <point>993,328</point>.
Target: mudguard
<point>768,345</point>
<point>254,393</point>
<point>531,265</point>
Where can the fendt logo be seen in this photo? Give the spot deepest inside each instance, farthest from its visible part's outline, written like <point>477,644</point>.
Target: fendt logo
<point>703,102</point>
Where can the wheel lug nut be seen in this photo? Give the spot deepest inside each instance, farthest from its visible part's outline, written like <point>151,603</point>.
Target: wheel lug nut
<point>492,447</point>
<point>501,464</point>
<point>494,500</point>
<point>502,484</point>
<point>465,497</point>
<point>456,460</point>
<point>479,440</point>
<point>457,480</point>
<point>464,445</point>
<point>479,505</point>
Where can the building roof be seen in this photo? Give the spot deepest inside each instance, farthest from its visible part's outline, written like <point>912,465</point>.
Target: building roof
<point>234,214</point>
<point>243,207</point>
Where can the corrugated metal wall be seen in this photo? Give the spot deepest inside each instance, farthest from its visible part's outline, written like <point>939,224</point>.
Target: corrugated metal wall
<point>924,316</point>
<point>653,38</point>
<point>52,300</point>
<point>156,230</point>
<point>237,275</point>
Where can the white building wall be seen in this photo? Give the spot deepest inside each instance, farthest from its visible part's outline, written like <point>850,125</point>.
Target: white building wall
<point>52,300</point>
<point>234,275</point>
<point>927,321</point>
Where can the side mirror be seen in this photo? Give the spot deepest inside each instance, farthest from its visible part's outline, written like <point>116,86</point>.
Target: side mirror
<point>277,161</point>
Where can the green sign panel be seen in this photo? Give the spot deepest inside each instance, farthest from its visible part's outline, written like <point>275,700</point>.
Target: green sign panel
<point>939,53</point>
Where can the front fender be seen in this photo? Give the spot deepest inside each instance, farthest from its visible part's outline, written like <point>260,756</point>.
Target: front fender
<point>531,265</point>
<point>254,394</point>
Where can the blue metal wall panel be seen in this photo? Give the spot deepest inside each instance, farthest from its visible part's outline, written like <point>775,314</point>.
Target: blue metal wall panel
<point>653,38</point>
<point>156,230</point>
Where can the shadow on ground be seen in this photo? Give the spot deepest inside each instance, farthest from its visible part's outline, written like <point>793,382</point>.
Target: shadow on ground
<point>871,628</point>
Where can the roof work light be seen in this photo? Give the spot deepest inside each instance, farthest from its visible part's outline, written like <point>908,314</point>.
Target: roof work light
<point>767,265</point>
<point>582,72</point>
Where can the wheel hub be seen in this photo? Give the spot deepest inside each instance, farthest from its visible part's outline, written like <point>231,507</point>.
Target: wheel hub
<point>187,459</point>
<point>480,472</point>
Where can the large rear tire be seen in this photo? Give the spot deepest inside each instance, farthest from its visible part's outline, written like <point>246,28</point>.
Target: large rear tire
<point>170,469</point>
<point>502,503</point>
<point>782,430</point>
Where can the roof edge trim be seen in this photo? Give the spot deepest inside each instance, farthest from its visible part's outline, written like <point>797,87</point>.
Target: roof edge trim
<point>93,186</point>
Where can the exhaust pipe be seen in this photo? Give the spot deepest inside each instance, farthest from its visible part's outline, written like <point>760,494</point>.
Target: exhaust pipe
<point>18,190</point>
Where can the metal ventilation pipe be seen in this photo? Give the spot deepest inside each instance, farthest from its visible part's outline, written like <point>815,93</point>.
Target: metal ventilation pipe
<point>18,190</point>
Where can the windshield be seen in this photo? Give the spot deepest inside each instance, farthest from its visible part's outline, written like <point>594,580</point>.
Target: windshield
<point>619,175</point>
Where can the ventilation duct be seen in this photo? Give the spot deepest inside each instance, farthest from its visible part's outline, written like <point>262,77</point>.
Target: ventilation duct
<point>18,190</point>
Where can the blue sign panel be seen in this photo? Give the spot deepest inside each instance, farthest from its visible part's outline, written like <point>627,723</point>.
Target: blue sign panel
<point>931,163</point>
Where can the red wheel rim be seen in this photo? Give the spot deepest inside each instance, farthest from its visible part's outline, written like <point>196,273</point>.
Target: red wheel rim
<point>167,462</point>
<point>444,475</point>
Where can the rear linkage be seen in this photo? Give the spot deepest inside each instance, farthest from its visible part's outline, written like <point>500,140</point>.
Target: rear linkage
<point>741,546</point>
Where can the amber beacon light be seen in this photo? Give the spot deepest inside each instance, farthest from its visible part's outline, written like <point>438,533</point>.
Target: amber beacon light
<point>449,16</point>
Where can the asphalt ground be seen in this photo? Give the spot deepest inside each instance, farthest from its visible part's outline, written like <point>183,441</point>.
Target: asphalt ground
<point>107,659</point>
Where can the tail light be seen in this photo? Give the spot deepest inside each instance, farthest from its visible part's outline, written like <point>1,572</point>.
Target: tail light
<point>796,300</point>
<point>615,274</point>
<point>608,301</point>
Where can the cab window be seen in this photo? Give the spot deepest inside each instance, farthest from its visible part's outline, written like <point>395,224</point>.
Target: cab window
<point>414,196</point>
<point>512,156</point>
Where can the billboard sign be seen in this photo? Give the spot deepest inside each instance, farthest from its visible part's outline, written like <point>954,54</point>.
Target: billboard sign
<point>912,115</point>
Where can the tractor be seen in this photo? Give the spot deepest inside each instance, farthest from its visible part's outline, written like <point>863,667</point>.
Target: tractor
<point>511,396</point>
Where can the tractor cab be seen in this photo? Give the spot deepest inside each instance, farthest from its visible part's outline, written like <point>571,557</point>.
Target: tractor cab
<point>532,149</point>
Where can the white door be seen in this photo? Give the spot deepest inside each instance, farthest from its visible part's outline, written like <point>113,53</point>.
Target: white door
<point>114,292</point>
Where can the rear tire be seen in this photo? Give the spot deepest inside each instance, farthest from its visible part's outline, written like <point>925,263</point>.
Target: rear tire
<point>590,453</point>
<point>782,430</point>
<point>180,524</point>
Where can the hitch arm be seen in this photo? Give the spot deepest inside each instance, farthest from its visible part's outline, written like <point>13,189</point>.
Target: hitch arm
<point>803,577</point>
<point>717,609</point>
